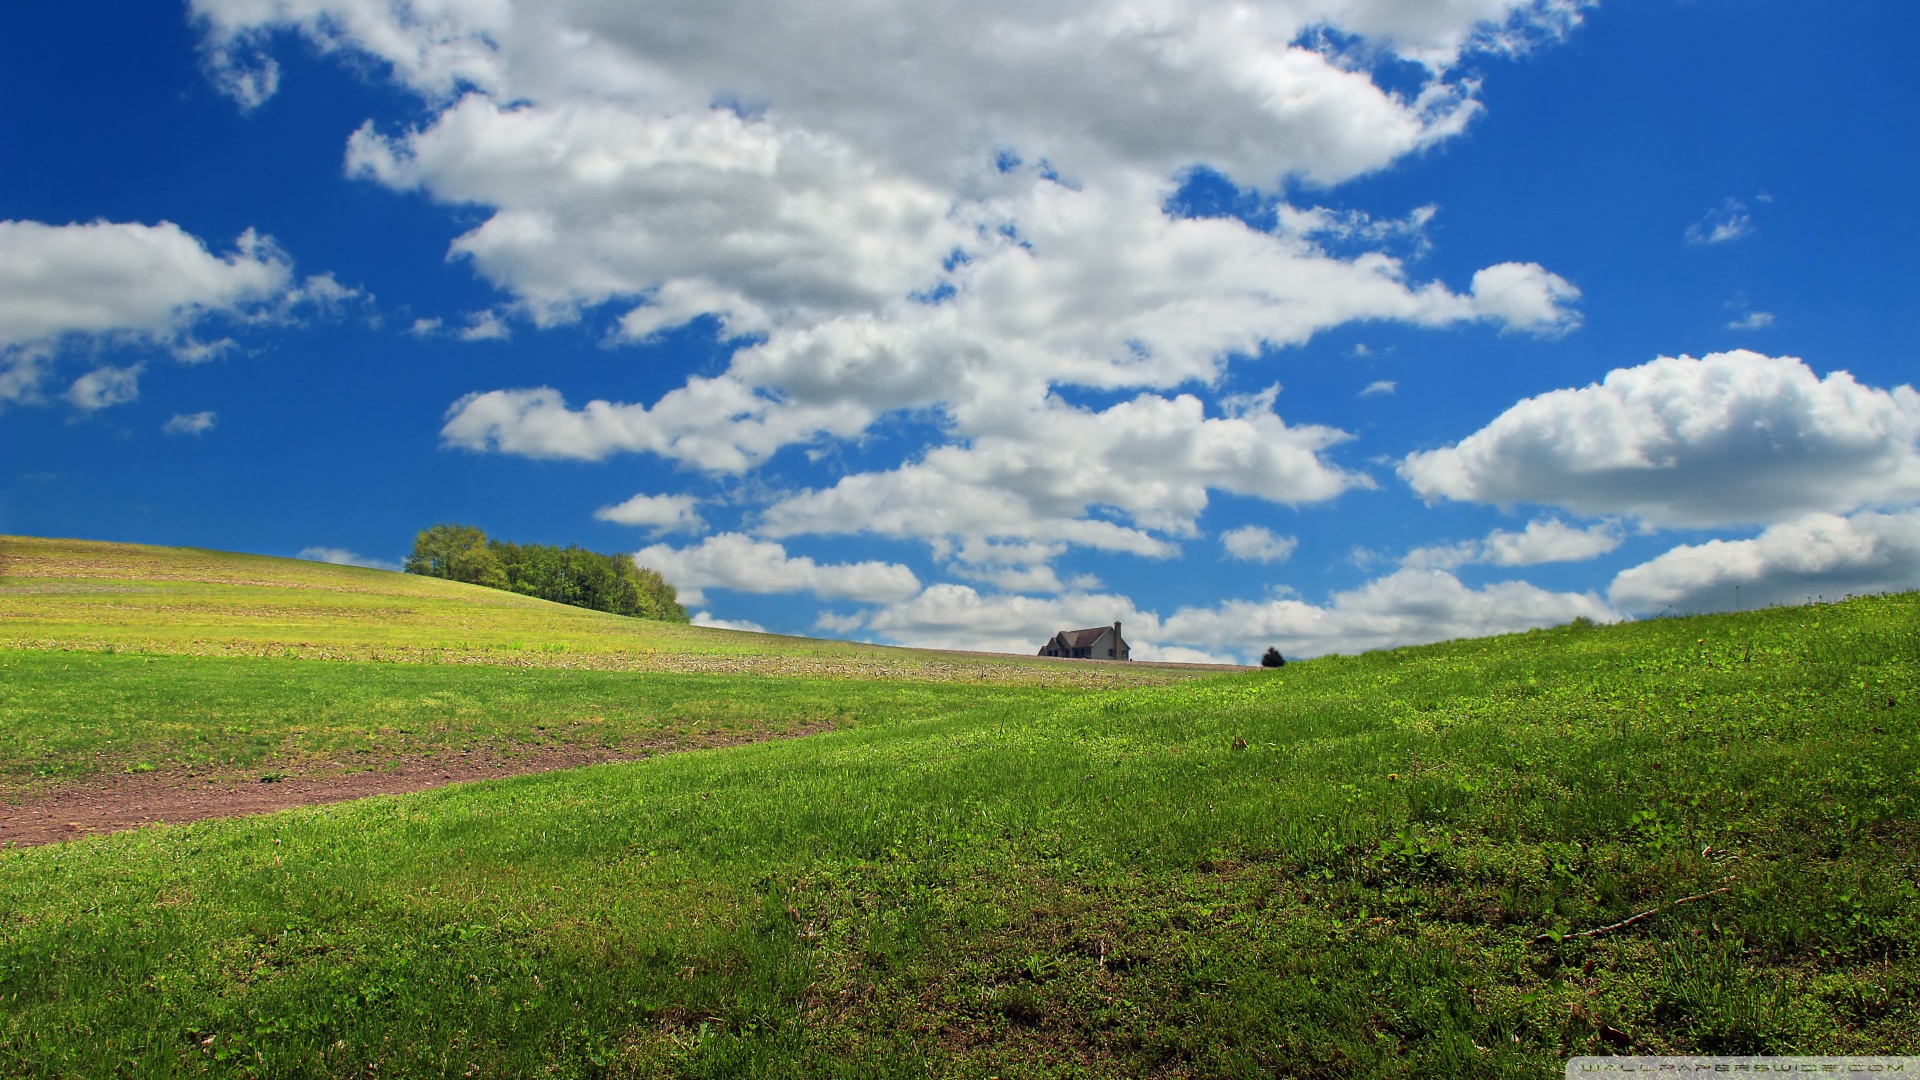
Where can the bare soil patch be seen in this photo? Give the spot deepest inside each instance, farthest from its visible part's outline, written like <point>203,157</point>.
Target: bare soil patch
<point>116,802</point>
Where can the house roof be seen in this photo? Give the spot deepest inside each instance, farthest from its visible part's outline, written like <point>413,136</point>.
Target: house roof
<point>1082,639</point>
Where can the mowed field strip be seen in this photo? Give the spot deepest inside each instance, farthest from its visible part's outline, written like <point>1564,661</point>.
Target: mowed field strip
<point>148,684</point>
<point>1476,858</point>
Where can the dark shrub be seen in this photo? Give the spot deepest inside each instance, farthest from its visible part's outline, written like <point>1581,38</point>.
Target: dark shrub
<point>1273,659</point>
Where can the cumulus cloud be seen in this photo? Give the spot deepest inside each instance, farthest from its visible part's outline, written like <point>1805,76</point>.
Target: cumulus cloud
<point>1252,543</point>
<point>1020,579</point>
<point>717,212</point>
<point>839,624</point>
<point>962,241</point>
<point>1543,541</point>
<point>1039,476</point>
<point>1789,563</point>
<point>1408,607</point>
<point>661,513</point>
<point>743,564</point>
<point>1098,83</point>
<point>1526,297</point>
<point>1100,290</point>
<point>132,284</point>
<point>106,278</point>
<point>343,557</point>
<point>717,424</point>
<point>191,424</point>
<point>1729,439</point>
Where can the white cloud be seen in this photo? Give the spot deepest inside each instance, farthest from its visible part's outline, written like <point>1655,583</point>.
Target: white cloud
<point>1092,84</point>
<point>485,326</point>
<point>105,386</point>
<point>950,616</point>
<point>132,284</point>
<point>705,618</point>
<point>189,351</point>
<point>243,71</point>
<point>343,557</point>
<point>1543,541</point>
<point>1733,438</point>
<point>1181,654</point>
<point>1527,297</point>
<point>190,423</point>
<point>737,562</point>
<point>1099,290</point>
<point>1252,543</point>
<point>424,328</point>
<point>718,424</point>
<point>1380,386</point>
<point>1752,320</point>
<point>1405,608</point>
<point>662,513</point>
<point>716,212</point>
<point>839,624</point>
<point>1728,221</point>
<point>1408,607</point>
<point>1040,476</point>
<point>1018,579</point>
<point>1789,563</point>
<point>849,226</point>
<point>106,278</point>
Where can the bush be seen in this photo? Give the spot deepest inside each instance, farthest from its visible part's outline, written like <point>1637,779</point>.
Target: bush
<point>1273,659</point>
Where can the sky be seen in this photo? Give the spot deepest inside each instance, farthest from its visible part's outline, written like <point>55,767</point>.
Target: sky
<point>1327,325</point>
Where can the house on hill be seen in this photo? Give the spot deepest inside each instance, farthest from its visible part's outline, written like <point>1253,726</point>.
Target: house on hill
<point>1099,643</point>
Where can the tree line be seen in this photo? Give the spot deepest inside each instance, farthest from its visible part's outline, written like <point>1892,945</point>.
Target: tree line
<point>569,575</point>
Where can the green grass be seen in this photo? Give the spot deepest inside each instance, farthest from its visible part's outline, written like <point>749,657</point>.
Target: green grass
<point>66,715</point>
<point>1389,879</point>
<point>90,596</point>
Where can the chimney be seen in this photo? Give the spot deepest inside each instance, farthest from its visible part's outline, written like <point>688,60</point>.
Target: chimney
<point>1116,629</point>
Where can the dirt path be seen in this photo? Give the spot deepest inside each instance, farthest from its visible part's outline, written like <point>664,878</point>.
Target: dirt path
<point>116,802</point>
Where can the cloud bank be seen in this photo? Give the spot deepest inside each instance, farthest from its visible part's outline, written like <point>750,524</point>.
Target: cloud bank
<point>959,244</point>
<point>1820,555</point>
<point>1730,439</point>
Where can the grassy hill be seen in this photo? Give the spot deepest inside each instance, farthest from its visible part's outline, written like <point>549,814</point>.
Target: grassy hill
<point>1426,862</point>
<point>127,657</point>
<point>74,594</point>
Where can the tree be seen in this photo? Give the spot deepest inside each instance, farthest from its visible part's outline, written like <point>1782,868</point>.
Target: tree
<point>458,553</point>
<point>570,575</point>
<point>1273,658</point>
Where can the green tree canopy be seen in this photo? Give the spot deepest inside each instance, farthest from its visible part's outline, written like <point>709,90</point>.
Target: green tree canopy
<point>570,575</point>
<point>456,552</point>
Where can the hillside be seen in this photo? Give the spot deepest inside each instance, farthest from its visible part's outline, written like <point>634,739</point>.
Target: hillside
<point>78,594</point>
<point>1476,858</point>
<point>149,670</point>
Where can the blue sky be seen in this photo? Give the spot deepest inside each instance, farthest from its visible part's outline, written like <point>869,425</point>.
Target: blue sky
<point>1325,324</point>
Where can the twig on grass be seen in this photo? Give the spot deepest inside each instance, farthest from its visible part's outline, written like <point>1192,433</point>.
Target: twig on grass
<point>1624,923</point>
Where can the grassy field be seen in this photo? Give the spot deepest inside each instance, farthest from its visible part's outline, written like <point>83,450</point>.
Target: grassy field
<point>1388,865</point>
<point>127,657</point>
<point>67,595</point>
